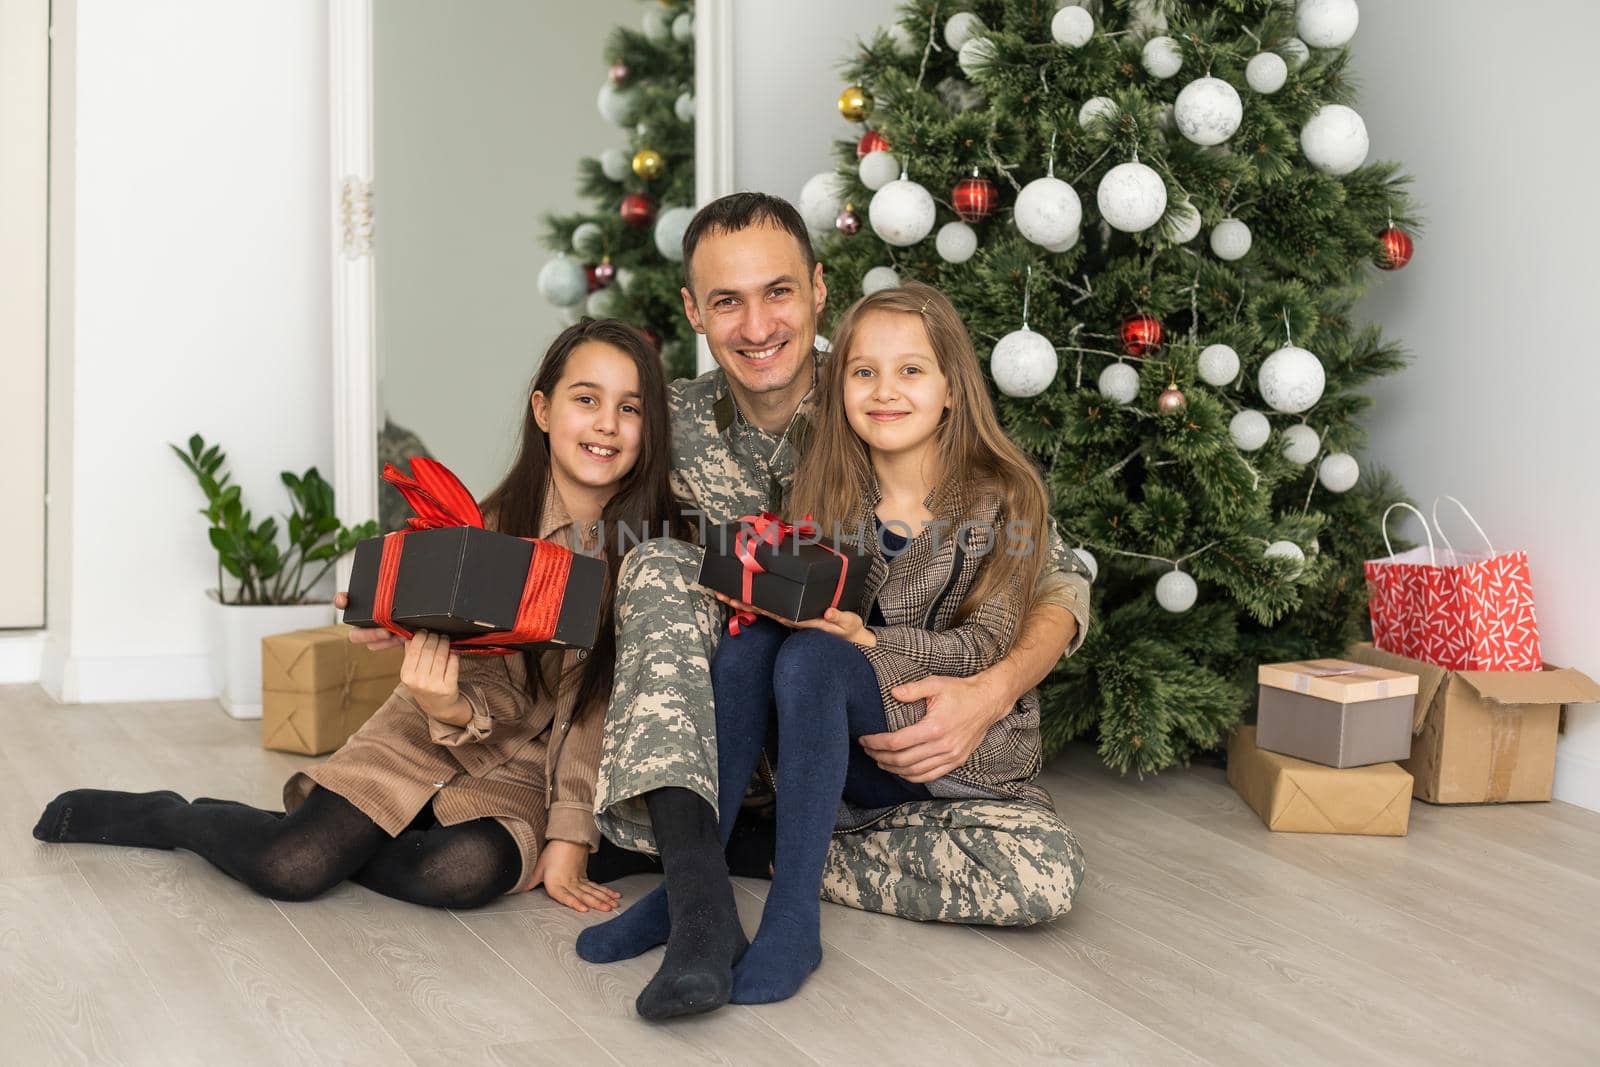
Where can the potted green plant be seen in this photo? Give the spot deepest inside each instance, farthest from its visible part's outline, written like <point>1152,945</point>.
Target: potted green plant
<point>269,584</point>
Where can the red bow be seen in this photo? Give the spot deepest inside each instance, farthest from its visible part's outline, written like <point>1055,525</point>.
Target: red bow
<point>768,529</point>
<point>440,500</point>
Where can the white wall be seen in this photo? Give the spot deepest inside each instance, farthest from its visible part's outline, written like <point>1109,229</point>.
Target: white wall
<point>480,123</point>
<point>1500,406</point>
<point>195,199</point>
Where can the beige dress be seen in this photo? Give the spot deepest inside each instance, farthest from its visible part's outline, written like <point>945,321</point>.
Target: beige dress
<point>525,759</point>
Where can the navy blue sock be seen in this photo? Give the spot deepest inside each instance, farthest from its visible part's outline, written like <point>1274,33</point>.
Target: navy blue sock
<point>816,678</point>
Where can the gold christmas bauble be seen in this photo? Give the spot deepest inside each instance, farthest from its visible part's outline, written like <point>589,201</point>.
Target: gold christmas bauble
<point>855,103</point>
<point>648,164</point>
<point>1171,401</point>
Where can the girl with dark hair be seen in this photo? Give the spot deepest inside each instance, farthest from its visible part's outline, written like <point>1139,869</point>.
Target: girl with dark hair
<point>477,777</point>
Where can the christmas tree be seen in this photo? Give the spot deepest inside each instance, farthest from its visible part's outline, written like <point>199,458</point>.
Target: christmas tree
<point>622,259</point>
<point>1160,217</point>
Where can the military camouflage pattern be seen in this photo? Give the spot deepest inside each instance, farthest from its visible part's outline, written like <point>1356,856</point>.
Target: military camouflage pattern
<point>996,862</point>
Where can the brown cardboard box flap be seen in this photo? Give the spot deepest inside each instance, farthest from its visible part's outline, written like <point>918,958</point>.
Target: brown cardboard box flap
<point>1553,685</point>
<point>1296,796</point>
<point>1429,677</point>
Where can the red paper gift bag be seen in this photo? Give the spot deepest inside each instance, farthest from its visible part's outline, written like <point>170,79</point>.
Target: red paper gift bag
<point>1464,611</point>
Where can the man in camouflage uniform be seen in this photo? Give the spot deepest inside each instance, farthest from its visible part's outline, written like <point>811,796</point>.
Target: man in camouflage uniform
<point>738,431</point>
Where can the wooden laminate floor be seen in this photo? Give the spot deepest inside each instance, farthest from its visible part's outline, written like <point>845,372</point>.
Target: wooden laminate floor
<point>1199,937</point>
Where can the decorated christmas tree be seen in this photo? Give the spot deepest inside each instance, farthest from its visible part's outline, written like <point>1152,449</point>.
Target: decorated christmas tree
<point>1157,219</point>
<point>621,259</point>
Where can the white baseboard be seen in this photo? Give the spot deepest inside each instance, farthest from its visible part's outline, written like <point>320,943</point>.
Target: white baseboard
<point>21,653</point>
<point>1577,779</point>
<point>114,679</point>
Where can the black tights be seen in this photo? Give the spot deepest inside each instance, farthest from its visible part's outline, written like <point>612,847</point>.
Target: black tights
<point>297,856</point>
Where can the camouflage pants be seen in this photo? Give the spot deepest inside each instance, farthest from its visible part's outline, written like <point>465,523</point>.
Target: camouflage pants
<point>1001,863</point>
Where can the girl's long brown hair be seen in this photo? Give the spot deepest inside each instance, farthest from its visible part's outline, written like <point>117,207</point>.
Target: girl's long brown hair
<point>643,505</point>
<point>975,458</point>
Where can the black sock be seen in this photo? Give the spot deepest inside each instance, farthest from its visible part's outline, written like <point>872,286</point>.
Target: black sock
<point>107,817</point>
<point>705,939</point>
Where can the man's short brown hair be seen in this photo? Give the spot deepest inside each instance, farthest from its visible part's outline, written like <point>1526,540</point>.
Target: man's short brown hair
<point>741,211</point>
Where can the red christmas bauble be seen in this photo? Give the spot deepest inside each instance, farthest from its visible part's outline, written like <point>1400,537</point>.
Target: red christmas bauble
<point>637,209</point>
<point>871,141</point>
<point>651,336</point>
<point>973,198</point>
<point>604,273</point>
<point>1141,334</point>
<point>618,73</point>
<point>848,222</point>
<point>593,278</point>
<point>1397,248</point>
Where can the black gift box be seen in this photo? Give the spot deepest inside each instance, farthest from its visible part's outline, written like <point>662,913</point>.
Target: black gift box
<point>465,581</point>
<point>799,578</point>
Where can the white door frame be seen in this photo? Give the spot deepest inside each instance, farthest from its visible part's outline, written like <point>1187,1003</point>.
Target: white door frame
<point>350,197</point>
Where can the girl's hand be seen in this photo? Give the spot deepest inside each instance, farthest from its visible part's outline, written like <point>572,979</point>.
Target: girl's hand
<point>739,605</point>
<point>560,869</point>
<point>845,624</point>
<point>375,639</point>
<point>430,671</point>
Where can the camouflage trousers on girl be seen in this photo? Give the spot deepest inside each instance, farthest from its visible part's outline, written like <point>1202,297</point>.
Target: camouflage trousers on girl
<point>995,862</point>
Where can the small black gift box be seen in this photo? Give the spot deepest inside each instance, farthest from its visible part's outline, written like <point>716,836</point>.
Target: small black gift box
<point>798,575</point>
<point>466,581</point>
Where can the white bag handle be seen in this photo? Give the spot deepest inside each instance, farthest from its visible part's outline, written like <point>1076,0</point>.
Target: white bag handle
<point>1432,556</point>
<point>1470,519</point>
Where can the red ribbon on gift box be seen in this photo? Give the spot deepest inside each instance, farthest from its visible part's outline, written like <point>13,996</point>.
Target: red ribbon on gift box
<point>768,529</point>
<point>440,500</point>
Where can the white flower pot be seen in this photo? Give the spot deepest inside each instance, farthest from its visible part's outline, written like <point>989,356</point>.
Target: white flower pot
<point>236,647</point>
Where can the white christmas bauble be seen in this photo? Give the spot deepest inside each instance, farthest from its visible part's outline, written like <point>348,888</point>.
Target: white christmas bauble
<point>1266,72</point>
<point>901,213</point>
<point>1326,23</point>
<point>1335,139</point>
<point>625,278</point>
<point>879,278</point>
<point>976,55</point>
<point>1120,383</point>
<point>1095,108</point>
<point>1301,444</point>
<point>1048,211</point>
<point>1230,240</point>
<point>1295,53</point>
<point>683,107</point>
<point>1338,472</point>
<point>619,105</point>
<point>961,28</point>
<point>1023,363</point>
<point>1092,564</point>
<point>1186,222</point>
<point>1162,57</point>
<point>1072,26</point>
<point>683,27</point>
<point>1219,365</point>
<point>1064,244</point>
<point>821,343</point>
<point>588,239</point>
<point>1176,592</point>
<point>1291,380</point>
<point>900,37</point>
<point>569,316</point>
<point>657,23</point>
<point>956,242</point>
<point>1249,430</point>
<point>1132,197</point>
<point>821,200</point>
<point>1286,550</point>
<point>670,227</point>
<point>563,282</point>
<point>1208,111</point>
<point>615,165</point>
<point>604,304</point>
<point>1146,18</point>
<point>878,169</point>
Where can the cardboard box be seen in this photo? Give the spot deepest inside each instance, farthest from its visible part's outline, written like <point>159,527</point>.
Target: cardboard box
<point>799,577</point>
<point>465,581</point>
<point>317,688</point>
<point>1484,736</point>
<point>1297,796</point>
<point>1335,712</point>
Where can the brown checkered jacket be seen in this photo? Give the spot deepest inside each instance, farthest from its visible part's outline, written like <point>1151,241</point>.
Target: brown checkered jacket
<point>919,593</point>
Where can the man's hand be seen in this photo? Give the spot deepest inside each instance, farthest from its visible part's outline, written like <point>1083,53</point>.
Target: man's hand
<point>845,624</point>
<point>960,711</point>
<point>560,869</point>
<point>431,671</point>
<point>374,638</point>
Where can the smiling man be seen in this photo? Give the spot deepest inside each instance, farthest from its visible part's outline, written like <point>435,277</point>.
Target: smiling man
<point>755,290</point>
